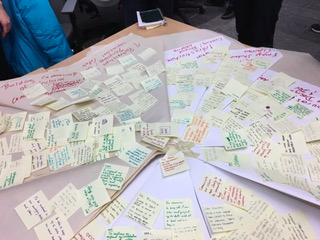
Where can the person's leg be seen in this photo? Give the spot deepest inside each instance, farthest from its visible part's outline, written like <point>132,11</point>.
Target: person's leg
<point>215,3</point>
<point>229,13</point>
<point>264,22</point>
<point>243,11</point>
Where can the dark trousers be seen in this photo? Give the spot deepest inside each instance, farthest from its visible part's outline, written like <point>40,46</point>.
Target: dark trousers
<point>256,21</point>
<point>5,70</point>
<point>131,6</point>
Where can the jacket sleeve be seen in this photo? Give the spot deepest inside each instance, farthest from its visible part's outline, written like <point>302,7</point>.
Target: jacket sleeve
<point>46,29</point>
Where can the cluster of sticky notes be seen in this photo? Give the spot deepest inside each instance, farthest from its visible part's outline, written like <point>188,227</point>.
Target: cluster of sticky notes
<point>256,118</point>
<point>56,143</point>
<point>49,218</point>
<point>69,143</point>
<point>180,220</point>
<point>258,218</point>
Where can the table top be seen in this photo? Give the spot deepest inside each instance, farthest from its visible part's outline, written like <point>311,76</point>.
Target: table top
<point>292,64</point>
<point>172,26</point>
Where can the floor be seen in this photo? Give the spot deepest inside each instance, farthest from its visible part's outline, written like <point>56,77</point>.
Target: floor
<point>292,32</point>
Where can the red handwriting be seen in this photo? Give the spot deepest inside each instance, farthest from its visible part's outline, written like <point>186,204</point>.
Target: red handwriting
<point>118,51</point>
<point>115,55</point>
<point>16,99</point>
<point>21,84</point>
<point>307,96</point>
<point>200,48</point>
<point>58,85</point>
<point>57,75</point>
<point>88,65</point>
<point>257,52</point>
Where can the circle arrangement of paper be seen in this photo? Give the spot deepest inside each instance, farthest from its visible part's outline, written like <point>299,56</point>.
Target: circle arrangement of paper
<point>178,137</point>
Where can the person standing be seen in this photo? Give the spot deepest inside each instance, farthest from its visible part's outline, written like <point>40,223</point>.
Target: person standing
<point>5,27</point>
<point>36,38</point>
<point>229,13</point>
<point>256,21</point>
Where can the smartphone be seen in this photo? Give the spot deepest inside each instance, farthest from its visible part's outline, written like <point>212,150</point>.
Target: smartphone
<point>153,15</point>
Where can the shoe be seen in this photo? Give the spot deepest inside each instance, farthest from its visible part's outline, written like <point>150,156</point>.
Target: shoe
<point>215,3</point>
<point>315,28</point>
<point>229,13</point>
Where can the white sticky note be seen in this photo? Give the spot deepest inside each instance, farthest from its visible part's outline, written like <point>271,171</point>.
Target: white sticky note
<point>66,201</point>
<point>113,82</point>
<point>155,69</point>
<point>33,210</point>
<point>43,101</point>
<point>42,117</point>
<point>102,125</point>
<point>39,161</point>
<point>14,174</point>
<point>78,131</point>
<point>182,116</point>
<point>4,149</point>
<point>151,83</point>
<point>113,176</point>
<point>56,227</point>
<point>145,209</point>
<point>60,157</point>
<point>61,121</point>
<point>94,196</point>
<point>34,130</point>
<point>83,153</point>
<point>129,233</point>
<point>75,93</point>
<point>123,89</point>
<point>59,104</point>
<point>135,154</point>
<point>235,139</point>
<point>159,142</point>
<point>114,69</point>
<point>147,54</point>
<point>224,218</point>
<point>177,211</point>
<point>234,89</point>
<point>94,230</point>
<point>34,91</point>
<point>109,143</point>
<point>311,131</point>
<point>34,146</point>
<point>90,73</point>
<point>173,164</point>
<point>15,122</point>
<point>127,60</point>
<point>114,210</point>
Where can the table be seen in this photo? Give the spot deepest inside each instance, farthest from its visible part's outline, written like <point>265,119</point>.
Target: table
<point>171,27</point>
<point>291,64</point>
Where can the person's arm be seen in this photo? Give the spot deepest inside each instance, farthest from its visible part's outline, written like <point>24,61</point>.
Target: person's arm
<point>4,21</point>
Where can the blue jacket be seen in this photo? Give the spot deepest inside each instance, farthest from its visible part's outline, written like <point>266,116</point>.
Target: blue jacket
<point>36,38</point>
